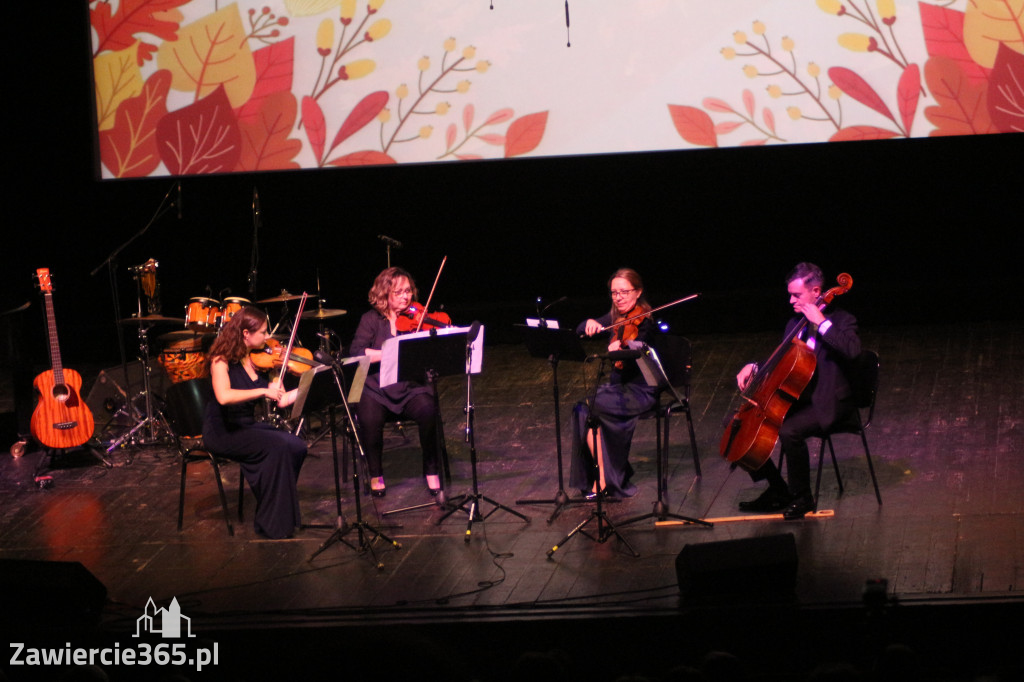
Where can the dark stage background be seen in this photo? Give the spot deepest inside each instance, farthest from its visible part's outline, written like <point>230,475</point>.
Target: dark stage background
<point>926,227</point>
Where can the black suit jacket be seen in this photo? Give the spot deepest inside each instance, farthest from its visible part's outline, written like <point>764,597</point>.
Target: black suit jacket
<point>834,350</point>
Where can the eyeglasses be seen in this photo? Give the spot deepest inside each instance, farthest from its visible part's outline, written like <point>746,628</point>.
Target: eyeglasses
<point>621,294</point>
<point>401,292</point>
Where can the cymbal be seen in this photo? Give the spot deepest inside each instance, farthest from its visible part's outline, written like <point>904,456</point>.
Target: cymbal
<point>282,297</point>
<point>183,335</point>
<point>323,313</point>
<point>152,319</point>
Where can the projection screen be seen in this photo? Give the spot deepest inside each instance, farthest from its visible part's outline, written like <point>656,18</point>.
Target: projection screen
<point>191,87</point>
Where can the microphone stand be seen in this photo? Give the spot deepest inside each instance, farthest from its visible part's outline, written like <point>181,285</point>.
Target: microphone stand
<point>165,206</point>
<point>254,257</point>
<point>367,534</point>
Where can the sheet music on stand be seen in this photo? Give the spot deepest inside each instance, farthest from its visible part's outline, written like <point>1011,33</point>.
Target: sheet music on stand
<point>360,365</point>
<point>654,373</point>
<point>453,357</point>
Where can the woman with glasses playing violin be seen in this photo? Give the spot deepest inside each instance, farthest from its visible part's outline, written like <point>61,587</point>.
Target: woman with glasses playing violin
<point>270,458</point>
<point>616,405</point>
<point>392,294</point>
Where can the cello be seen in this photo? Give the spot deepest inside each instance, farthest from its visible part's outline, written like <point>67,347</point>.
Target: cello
<point>753,431</point>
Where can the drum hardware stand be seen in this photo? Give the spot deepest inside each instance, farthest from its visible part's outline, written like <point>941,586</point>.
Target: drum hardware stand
<point>366,533</point>
<point>470,503</point>
<point>554,343</point>
<point>154,419</point>
<point>605,528</point>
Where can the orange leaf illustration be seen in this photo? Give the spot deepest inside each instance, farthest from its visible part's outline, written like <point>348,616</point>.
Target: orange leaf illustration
<point>854,133</point>
<point>961,109</point>
<point>694,125</point>
<point>366,158</point>
<point>265,143</point>
<point>117,30</point>
<point>275,65</point>
<point>129,149</point>
<point>525,133</point>
<point>1006,92</point>
<point>361,114</point>
<point>316,126</point>
<point>944,37</point>
<point>200,138</point>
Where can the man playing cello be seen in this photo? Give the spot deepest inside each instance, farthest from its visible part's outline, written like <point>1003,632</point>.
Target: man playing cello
<point>826,399</point>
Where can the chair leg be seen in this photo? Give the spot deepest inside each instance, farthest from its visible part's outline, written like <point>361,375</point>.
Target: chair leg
<point>835,465</point>
<point>241,495</point>
<point>871,467</point>
<point>661,451</point>
<point>181,497</point>
<point>223,497</point>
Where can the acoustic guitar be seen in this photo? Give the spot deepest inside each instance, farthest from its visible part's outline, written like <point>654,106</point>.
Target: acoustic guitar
<point>61,419</point>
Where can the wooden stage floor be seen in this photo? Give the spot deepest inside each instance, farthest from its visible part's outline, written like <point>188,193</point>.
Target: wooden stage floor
<point>947,444</point>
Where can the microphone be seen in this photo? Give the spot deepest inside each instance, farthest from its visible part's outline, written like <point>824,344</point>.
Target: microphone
<point>389,241</point>
<point>255,201</point>
<point>178,202</point>
<point>552,304</point>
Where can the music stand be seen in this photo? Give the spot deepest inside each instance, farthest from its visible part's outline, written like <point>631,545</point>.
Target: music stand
<point>546,340</point>
<point>366,533</point>
<point>656,377</point>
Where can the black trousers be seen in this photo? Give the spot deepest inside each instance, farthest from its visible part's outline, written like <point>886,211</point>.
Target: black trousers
<point>372,416</point>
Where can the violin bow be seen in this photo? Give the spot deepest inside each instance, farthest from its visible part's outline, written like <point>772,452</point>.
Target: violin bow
<point>426,306</point>
<point>649,312</point>
<point>291,342</point>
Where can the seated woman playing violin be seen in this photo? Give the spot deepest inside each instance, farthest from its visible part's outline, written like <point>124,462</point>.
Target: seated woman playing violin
<point>270,458</point>
<point>392,296</point>
<point>617,404</point>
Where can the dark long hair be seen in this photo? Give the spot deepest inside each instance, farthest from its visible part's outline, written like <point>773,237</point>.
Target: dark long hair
<point>230,343</point>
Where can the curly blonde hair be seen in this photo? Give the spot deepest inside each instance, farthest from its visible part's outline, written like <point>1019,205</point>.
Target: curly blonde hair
<point>381,288</point>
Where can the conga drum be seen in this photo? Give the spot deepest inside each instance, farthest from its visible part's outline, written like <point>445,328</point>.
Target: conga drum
<point>183,359</point>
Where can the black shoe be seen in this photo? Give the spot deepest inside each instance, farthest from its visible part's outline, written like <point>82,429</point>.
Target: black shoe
<point>800,506</point>
<point>770,500</point>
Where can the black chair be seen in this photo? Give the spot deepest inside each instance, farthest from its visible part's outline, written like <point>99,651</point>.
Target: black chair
<point>186,402</point>
<point>863,375</point>
<point>676,359</point>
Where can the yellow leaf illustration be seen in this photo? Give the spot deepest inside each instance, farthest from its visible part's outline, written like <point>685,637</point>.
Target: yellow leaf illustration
<point>117,78</point>
<point>209,53</point>
<point>308,8</point>
<point>990,23</point>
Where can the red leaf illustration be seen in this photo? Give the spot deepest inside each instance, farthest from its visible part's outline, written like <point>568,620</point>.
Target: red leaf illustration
<point>201,138</point>
<point>858,88</point>
<point>748,102</point>
<point>907,93</point>
<point>769,120</point>
<point>129,149</point>
<point>694,125</point>
<point>467,117</point>
<point>265,143</point>
<point>753,143</point>
<point>525,133</point>
<point>117,31</point>
<point>726,127</point>
<point>491,138</point>
<point>366,158</point>
<point>361,114</point>
<point>449,137</point>
<point>715,104</point>
<point>1006,91</point>
<point>854,133</point>
<point>961,109</point>
<point>944,37</point>
<point>275,65</point>
<point>468,157</point>
<point>499,116</point>
<point>315,125</point>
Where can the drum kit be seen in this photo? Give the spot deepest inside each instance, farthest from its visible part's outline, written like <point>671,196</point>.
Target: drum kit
<point>183,352</point>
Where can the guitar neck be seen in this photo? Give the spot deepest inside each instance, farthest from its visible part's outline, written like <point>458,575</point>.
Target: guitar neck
<point>51,330</point>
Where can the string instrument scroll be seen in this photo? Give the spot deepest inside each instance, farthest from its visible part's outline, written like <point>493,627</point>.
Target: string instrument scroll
<point>753,431</point>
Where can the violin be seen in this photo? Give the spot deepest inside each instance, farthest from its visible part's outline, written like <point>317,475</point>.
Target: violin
<point>271,356</point>
<point>414,318</point>
<point>628,329</point>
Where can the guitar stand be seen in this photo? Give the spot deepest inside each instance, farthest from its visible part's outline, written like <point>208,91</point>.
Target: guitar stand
<point>605,528</point>
<point>366,533</point>
<point>43,480</point>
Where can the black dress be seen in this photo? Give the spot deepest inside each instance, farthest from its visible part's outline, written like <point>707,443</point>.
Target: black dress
<point>616,406</point>
<point>270,458</point>
<point>401,400</point>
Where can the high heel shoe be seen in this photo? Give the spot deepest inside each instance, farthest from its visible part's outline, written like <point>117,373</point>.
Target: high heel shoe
<point>433,484</point>
<point>377,487</point>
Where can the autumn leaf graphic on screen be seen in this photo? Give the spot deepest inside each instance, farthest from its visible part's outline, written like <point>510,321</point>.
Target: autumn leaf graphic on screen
<point>973,71</point>
<point>230,74</point>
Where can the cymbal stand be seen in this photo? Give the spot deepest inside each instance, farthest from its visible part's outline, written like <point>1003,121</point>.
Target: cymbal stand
<point>470,503</point>
<point>366,533</point>
<point>605,527</point>
<point>153,418</point>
